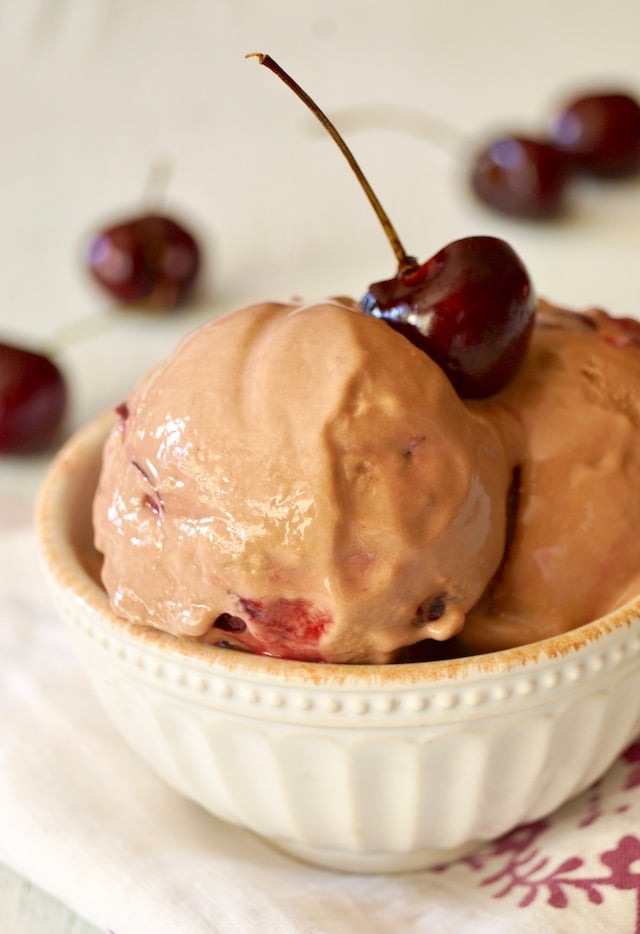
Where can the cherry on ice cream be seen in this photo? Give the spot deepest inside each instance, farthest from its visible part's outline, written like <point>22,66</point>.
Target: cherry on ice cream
<point>470,307</point>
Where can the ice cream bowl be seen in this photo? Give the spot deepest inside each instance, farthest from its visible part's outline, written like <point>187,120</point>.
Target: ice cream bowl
<point>360,768</point>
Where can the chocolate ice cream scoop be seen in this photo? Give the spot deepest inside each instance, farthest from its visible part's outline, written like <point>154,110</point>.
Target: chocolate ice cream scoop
<point>575,553</point>
<point>302,482</point>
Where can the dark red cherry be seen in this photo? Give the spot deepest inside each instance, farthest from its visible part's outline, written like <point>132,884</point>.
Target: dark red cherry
<point>470,307</point>
<point>601,132</point>
<point>149,259</point>
<point>521,177</point>
<point>32,400</point>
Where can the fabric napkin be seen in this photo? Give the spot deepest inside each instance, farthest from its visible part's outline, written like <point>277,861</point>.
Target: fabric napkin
<point>84,819</point>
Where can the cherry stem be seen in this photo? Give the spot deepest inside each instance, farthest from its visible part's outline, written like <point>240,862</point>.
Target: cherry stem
<point>157,184</point>
<point>405,262</point>
<point>78,331</point>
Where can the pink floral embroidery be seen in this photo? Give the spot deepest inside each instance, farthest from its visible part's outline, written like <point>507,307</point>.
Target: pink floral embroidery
<point>632,756</point>
<point>593,810</point>
<point>516,864</point>
<point>620,860</point>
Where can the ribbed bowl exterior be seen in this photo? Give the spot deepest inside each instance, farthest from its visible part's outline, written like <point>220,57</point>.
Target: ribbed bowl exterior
<point>359,768</point>
<point>369,778</point>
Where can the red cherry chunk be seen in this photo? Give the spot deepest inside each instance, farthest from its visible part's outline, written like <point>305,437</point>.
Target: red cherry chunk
<point>32,400</point>
<point>521,177</point>
<point>282,627</point>
<point>149,259</point>
<point>601,132</point>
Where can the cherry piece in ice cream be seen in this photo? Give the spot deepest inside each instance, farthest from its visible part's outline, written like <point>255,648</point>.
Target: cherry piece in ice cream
<point>470,307</point>
<point>32,400</point>
<point>284,628</point>
<point>521,177</point>
<point>150,259</point>
<point>601,132</point>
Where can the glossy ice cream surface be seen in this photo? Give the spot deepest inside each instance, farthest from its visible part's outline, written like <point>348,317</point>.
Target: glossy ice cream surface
<point>575,551</point>
<point>303,482</point>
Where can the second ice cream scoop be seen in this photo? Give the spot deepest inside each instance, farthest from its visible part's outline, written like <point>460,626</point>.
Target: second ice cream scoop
<point>575,551</point>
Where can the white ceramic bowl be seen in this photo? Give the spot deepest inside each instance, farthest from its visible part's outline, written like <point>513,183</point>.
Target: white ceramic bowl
<point>363,768</point>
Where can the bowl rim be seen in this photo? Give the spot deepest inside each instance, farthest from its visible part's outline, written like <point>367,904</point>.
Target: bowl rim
<point>70,575</point>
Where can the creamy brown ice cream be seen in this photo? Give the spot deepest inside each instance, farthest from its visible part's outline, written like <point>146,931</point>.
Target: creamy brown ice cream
<point>301,481</point>
<point>575,552</point>
<point>304,482</point>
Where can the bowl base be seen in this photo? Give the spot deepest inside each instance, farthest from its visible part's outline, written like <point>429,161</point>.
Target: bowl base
<point>385,862</point>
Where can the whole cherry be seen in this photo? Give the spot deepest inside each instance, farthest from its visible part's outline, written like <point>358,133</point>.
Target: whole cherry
<point>150,259</point>
<point>32,400</point>
<point>601,132</point>
<point>470,307</point>
<point>521,177</point>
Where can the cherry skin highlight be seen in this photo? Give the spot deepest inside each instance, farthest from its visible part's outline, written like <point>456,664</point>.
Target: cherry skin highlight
<point>601,132</point>
<point>470,307</point>
<point>521,177</point>
<point>32,400</point>
<point>149,259</point>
